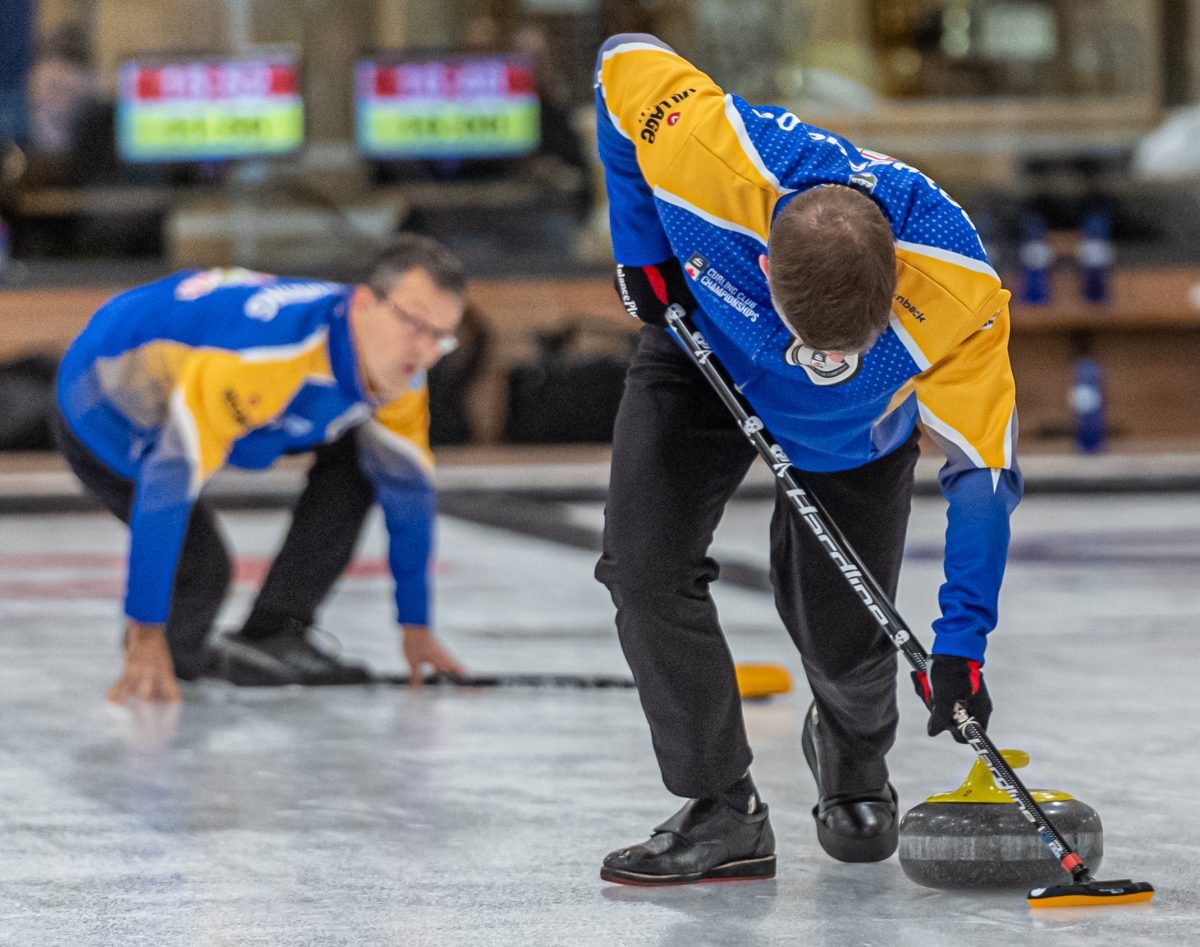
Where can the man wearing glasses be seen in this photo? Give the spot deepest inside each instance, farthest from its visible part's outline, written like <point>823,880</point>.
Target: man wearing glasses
<point>849,297</point>
<point>172,381</point>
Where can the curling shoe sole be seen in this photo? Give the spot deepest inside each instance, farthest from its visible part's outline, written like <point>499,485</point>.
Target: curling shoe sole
<point>746,869</point>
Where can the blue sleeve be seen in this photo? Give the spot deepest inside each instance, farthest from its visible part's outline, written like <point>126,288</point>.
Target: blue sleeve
<point>977,533</point>
<point>158,521</point>
<point>638,237</point>
<point>410,510</point>
<point>405,493</point>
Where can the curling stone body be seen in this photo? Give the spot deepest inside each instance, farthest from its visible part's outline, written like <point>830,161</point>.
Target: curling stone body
<point>976,837</point>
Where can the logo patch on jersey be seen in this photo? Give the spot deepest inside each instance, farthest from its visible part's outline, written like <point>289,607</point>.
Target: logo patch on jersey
<point>864,181</point>
<point>695,265</point>
<point>910,308</point>
<point>820,368</point>
<point>201,284</point>
<point>991,322</point>
<point>722,288</point>
<point>652,119</point>
<point>236,411</point>
<point>266,303</point>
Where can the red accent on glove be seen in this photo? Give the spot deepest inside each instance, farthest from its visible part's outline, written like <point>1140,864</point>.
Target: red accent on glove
<point>927,691</point>
<point>973,675</point>
<point>657,283</point>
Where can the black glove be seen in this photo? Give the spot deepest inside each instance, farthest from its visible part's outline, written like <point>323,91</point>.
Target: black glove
<point>647,291</point>
<point>954,680</point>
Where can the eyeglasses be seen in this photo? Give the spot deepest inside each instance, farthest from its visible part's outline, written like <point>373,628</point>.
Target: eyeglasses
<point>446,342</point>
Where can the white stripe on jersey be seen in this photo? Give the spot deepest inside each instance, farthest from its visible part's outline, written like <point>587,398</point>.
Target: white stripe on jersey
<point>634,47</point>
<point>909,343</point>
<point>280,353</point>
<point>1008,439</point>
<point>949,256</point>
<point>743,137</point>
<point>667,197</point>
<point>189,436</point>
<point>400,445</point>
<point>616,122</point>
<point>938,426</point>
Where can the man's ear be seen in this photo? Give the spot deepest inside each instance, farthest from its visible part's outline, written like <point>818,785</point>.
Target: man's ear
<point>362,297</point>
<point>765,265</point>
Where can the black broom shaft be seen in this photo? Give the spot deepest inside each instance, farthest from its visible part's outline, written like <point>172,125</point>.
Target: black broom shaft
<point>856,573</point>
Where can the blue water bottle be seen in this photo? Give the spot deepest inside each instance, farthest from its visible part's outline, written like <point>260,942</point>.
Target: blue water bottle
<point>1036,260</point>
<point>1087,403</point>
<point>1096,258</point>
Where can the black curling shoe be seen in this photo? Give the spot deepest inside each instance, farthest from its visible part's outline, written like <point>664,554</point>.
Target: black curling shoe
<point>856,814</point>
<point>706,840</point>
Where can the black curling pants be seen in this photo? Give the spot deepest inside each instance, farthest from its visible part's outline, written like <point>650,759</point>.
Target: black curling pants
<point>677,458</point>
<point>320,542</point>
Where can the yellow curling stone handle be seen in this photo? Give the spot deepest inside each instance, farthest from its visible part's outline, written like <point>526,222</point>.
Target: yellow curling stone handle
<point>980,787</point>
<point>760,681</point>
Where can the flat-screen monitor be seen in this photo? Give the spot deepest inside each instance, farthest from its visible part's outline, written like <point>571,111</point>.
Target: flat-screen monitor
<point>209,108</point>
<point>447,107</point>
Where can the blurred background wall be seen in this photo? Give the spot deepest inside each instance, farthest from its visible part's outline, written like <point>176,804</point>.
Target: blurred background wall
<point>1066,127</point>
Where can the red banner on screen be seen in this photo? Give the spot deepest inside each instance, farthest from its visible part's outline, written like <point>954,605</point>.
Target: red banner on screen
<point>452,79</point>
<point>210,82</point>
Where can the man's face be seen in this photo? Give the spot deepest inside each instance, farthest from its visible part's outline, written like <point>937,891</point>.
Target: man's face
<point>404,332</point>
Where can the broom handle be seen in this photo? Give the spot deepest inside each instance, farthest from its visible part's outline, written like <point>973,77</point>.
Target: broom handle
<point>864,585</point>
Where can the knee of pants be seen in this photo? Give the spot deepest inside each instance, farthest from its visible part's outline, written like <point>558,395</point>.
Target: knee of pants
<point>639,574</point>
<point>875,670</point>
<point>213,574</point>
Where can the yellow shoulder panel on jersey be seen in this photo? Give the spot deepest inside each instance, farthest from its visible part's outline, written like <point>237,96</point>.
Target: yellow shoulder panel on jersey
<point>743,202</point>
<point>968,397</point>
<point>408,417</point>
<point>229,393</point>
<point>654,98</point>
<point>939,299</point>
<point>687,136</point>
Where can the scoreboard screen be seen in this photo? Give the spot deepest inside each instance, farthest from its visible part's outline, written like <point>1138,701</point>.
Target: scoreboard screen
<point>209,109</point>
<point>447,108</point>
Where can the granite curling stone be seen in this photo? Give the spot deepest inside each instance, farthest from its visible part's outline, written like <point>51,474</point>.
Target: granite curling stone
<point>976,837</point>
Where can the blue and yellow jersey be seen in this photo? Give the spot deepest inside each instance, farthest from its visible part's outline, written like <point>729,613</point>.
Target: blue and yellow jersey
<point>699,175</point>
<point>170,382</point>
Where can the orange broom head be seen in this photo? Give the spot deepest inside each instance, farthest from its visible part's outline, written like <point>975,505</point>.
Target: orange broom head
<point>1086,894</point>
<point>760,681</point>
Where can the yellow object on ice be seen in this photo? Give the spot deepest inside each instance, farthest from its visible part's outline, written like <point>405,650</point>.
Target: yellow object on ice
<point>760,681</point>
<point>1086,901</point>
<point>979,785</point>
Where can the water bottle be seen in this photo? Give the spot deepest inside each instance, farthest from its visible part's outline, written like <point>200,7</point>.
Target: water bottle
<point>1096,258</point>
<point>1036,260</point>
<point>1087,403</point>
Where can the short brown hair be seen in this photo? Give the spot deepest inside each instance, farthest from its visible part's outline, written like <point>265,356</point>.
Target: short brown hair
<point>410,251</point>
<point>832,268</point>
